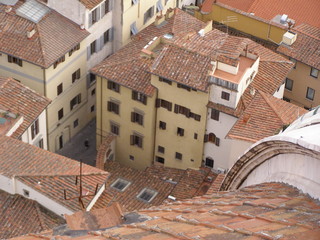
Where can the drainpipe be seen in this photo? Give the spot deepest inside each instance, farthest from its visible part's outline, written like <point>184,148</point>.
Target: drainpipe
<point>45,94</point>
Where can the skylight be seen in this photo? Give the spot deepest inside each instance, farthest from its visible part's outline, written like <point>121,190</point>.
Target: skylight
<point>32,10</point>
<point>120,184</point>
<point>9,2</point>
<point>147,195</point>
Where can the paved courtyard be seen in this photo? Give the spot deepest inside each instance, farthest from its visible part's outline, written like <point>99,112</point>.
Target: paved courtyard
<point>76,148</point>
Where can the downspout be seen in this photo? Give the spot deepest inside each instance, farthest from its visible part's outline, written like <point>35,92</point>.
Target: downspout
<point>47,117</point>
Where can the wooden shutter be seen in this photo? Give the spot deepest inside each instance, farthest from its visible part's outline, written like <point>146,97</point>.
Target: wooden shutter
<point>182,132</point>
<point>9,59</point>
<point>110,5</point>
<point>170,106</point>
<point>103,9</point>
<point>110,106</point>
<point>141,120</point>
<point>110,32</point>
<point>88,52</point>
<point>176,108</point>
<point>131,139</point>
<point>206,138</point>
<point>132,117</point>
<point>98,13</point>
<point>134,95</point>
<point>90,19</point>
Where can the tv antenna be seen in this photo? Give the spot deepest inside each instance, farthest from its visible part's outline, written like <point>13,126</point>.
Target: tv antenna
<point>81,194</point>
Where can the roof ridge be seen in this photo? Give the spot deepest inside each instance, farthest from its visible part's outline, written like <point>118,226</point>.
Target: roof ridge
<point>63,175</point>
<point>41,45</point>
<point>271,105</point>
<point>39,214</point>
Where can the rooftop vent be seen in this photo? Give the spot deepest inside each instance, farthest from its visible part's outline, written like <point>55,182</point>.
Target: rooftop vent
<point>31,32</point>
<point>201,32</point>
<point>283,19</point>
<point>289,38</point>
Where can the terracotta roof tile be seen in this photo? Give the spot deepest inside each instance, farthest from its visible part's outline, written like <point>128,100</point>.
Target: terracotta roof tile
<point>306,48</point>
<point>21,216</point>
<point>55,36</point>
<point>264,211</point>
<point>264,117</point>
<point>21,100</point>
<point>21,159</point>
<point>268,9</point>
<point>90,3</point>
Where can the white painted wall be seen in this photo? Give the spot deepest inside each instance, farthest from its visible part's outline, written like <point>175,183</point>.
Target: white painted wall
<point>237,149</point>
<point>42,199</point>
<point>26,136</point>
<point>295,169</point>
<point>15,126</point>
<point>227,68</point>
<point>215,96</point>
<point>220,154</point>
<point>7,184</point>
<point>279,93</point>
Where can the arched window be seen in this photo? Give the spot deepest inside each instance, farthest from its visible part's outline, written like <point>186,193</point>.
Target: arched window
<point>212,137</point>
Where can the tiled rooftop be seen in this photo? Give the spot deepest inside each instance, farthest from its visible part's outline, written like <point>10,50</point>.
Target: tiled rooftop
<point>180,184</point>
<point>55,36</point>
<point>306,48</point>
<point>268,9</point>
<point>21,216</point>
<point>90,3</point>
<point>21,100</point>
<point>264,211</point>
<point>265,116</point>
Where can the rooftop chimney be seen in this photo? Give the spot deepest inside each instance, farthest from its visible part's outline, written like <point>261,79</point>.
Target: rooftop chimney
<point>30,32</point>
<point>289,38</point>
<point>8,9</point>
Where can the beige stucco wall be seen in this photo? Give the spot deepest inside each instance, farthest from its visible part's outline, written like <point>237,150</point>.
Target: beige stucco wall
<point>244,23</point>
<point>190,148</point>
<point>143,157</point>
<point>301,81</point>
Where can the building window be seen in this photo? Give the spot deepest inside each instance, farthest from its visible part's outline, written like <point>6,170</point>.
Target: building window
<point>161,149</point>
<point>113,86</point>
<point>178,156</point>
<point>75,123</point>
<point>92,108</point>
<point>93,92</point>
<point>147,195</point>
<point>77,47</point>
<point>60,60</point>
<point>35,128</point>
<point>148,14</point>
<point>159,6</point>
<point>133,29</point>
<point>184,87</point>
<point>195,136</point>
<point>160,159</point>
<point>113,107</point>
<point>165,80</point>
<point>75,101</point>
<point>131,157</point>
<point>182,110</point>
<point>137,118</point>
<point>225,95</point>
<point>180,131</point>
<point>59,89</point>
<point>289,84</point>
<point>114,128</point>
<point>162,125</point>
<point>76,75</point>
<point>60,114</point>
<point>209,162</point>
<point>40,143</point>
<point>215,114</point>
<point>93,47</point>
<point>92,78</point>
<point>120,184</point>
<point>136,140</point>
<point>107,7</point>
<point>314,72</point>
<point>94,16</point>
<point>196,117</point>
<point>212,138</point>
<point>310,93</point>
<point>294,62</point>
<point>15,60</point>
<point>140,97</point>
<point>164,104</point>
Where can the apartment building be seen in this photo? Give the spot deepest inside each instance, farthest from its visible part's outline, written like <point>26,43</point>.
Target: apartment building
<point>47,52</point>
<point>300,45</point>
<point>23,113</point>
<point>156,94</point>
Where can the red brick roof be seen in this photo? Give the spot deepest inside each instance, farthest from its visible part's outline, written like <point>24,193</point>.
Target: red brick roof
<point>265,116</point>
<point>306,48</point>
<point>21,159</point>
<point>178,183</point>
<point>127,68</point>
<point>55,36</point>
<point>297,10</point>
<point>22,100</point>
<point>19,216</point>
<point>90,3</point>
<point>264,211</point>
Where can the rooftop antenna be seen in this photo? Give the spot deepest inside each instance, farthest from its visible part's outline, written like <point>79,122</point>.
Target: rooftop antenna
<point>81,195</point>
<point>230,19</point>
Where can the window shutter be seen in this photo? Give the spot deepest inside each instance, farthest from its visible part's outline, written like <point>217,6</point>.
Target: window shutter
<point>176,108</point>
<point>170,106</point>
<point>116,110</point>
<point>187,112</point>
<point>88,52</point>
<point>144,100</point>
<point>131,140</point>
<point>134,95</point>
<point>132,116</point>
<point>32,131</point>
<point>218,142</point>
<point>98,13</point>
<point>158,102</point>
<point>97,45</point>
<point>90,19</point>
<point>111,34</point>
<point>182,132</point>
<point>110,5</point>
<point>9,59</point>
<point>103,9</point>
<point>109,106</point>
<point>101,41</point>
<point>206,138</point>
<point>141,120</point>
